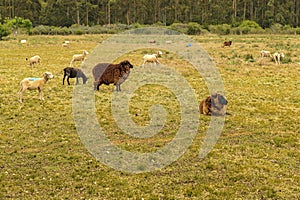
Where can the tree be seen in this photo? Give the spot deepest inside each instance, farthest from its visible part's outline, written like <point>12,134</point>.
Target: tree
<point>19,22</point>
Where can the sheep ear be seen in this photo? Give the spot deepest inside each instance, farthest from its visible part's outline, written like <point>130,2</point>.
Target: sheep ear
<point>214,95</point>
<point>208,100</point>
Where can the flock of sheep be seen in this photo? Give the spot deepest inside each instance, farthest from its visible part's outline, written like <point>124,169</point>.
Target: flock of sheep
<point>277,56</point>
<point>108,73</point>
<point>104,73</point>
<point>38,83</point>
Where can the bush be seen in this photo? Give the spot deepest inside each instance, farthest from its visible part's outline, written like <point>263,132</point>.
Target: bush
<point>41,30</point>
<point>4,31</point>
<point>194,28</point>
<point>249,58</point>
<point>179,27</point>
<point>222,29</point>
<point>248,26</point>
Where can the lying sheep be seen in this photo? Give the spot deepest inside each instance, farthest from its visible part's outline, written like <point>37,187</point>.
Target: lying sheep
<point>107,73</point>
<point>34,60</point>
<point>71,72</point>
<point>152,58</point>
<point>214,104</point>
<point>78,57</point>
<point>277,56</point>
<point>34,83</point>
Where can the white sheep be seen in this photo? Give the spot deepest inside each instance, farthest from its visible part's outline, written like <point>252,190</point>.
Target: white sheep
<point>34,83</point>
<point>264,53</point>
<point>66,43</point>
<point>152,58</point>
<point>34,60</point>
<point>277,56</point>
<point>23,41</point>
<point>78,57</point>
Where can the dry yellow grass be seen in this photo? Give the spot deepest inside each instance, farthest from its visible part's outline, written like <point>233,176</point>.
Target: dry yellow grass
<point>257,156</point>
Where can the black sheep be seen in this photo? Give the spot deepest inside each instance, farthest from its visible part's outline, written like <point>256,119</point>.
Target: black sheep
<point>72,72</point>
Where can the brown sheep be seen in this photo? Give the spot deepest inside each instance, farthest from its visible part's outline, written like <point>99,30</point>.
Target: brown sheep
<point>107,73</point>
<point>227,44</point>
<point>213,105</point>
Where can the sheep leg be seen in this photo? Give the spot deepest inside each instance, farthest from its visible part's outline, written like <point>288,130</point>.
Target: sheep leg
<point>68,80</point>
<point>22,89</point>
<point>41,94</point>
<point>96,87</point>
<point>118,87</point>
<point>64,79</point>
<point>71,63</point>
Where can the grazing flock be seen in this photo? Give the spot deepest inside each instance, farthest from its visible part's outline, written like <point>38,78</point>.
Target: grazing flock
<point>116,74</point>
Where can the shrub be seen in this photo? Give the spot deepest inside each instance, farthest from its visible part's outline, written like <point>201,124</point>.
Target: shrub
<point>4,31</point>
<point>249,58</point>
<point>222,29</point>
<point>194,28</point>
<point>179,27</point>
<point>248,26</point>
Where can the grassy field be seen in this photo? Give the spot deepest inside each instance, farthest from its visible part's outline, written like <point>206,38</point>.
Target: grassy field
<point>256,157</point>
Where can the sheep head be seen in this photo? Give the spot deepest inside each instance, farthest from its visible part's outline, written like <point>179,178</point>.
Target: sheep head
<point>126,64</point>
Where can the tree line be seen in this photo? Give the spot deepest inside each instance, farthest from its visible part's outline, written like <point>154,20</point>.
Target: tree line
<point>64,13</point>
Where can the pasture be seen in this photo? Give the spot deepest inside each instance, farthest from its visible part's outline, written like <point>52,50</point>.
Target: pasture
<point>256,157</point>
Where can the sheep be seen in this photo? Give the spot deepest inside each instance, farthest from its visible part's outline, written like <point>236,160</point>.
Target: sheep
<point>214,104</point>
<point>152,41</point>
<point>23,41</point>
<point>227,44</point>
<point>264,53</point>
<point>66,43</point>
<point>107,73</point>
<point>34,83</point>
<point>71,72</point>
<point>277,56</point>
<point>34,60</point>
<point>152,58</point>
<point>78,57</point>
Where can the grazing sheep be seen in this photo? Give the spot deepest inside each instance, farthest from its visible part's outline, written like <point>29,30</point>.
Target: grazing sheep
<point>213,105</point>
<point>78,57</point>
<point>23,41</point>
<point>277,57</point>
<point>264,53</point>
<point>34,60</point>
<point>152,58</point>
<point>227,44</point>
<point>71,72</point>
<point>152,41</point>
<point>34,83</point>
<point>107,73</point>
